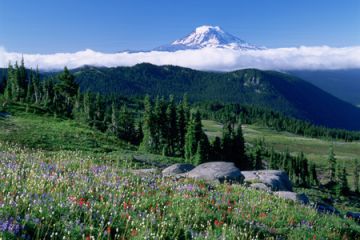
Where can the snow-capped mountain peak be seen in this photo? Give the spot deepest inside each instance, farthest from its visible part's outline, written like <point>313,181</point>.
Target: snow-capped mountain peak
<point>208,37</point>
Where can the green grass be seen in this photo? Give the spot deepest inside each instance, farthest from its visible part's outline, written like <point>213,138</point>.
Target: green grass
<point>30,127</point>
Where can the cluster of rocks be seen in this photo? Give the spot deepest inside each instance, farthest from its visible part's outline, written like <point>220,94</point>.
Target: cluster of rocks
<point>268,180</point>
<point>273,181</point>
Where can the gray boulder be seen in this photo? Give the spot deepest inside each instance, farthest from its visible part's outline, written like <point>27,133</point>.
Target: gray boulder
<point>260,186</point>
<point>296,197</point>
<point>216,171</point>
<point>177,169</point>
<point>276,180</point>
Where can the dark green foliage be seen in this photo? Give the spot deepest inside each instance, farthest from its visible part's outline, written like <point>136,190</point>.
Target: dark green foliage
<point>267,89</point>
<point>313,175</point>
<point>356,176</point>
<point>342,187</point>
<point>332,164</point>
<point>216,150</point>
<point>253,114</point>
<point>257,160</point>
<point>193,136</point>
<point>148,143</point>
<point>181,126</point>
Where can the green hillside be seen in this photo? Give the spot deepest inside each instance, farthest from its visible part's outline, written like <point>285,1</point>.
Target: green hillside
<point>268,89</point>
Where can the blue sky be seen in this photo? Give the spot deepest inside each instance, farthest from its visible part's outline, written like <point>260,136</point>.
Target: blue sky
<point>49,26</point>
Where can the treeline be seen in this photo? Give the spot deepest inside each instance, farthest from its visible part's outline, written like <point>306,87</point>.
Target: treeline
<point>172,129</point>
<point>300,171</point>
<point>61,96</point>
<point>277,121</point>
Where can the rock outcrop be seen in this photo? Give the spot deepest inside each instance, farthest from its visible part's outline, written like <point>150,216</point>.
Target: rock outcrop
<point>216,171</point>
<point>274,179</point>
<point>177,169</point>
<point>296,197</point>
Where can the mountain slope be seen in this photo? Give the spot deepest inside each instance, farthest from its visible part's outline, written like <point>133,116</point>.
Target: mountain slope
<point>344,83</point>
<point>208,37</point>
<point>278,91</point>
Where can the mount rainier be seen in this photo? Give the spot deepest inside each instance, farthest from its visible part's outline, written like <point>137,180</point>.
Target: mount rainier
<point>208,37</point>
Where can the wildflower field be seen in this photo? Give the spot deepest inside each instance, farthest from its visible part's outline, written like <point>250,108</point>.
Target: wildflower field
<point>69,195</point>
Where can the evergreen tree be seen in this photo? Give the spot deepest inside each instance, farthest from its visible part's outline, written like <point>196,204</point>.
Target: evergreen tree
<point>148,142</point>
<point>194,134</point>
<point>139,133</point>
<point>114,124</point>
<point>342,186</point>
<point>239,156</point>
<point>356,176</point>
<point>30,89</point>
<point>202,152</point>
<point>332,164</point>
<point>8,88</point>
<point>257,161</point>
<point>22,80</point>
<point>216,151</point>
<point>227,142</point>
<point>126,125</point>
<point>78,111</point>
<point>186,108</point>
<point>172,129</point>
<point>273,159</point>
<point>98,120</point>
<point>67,88</point>
<point>181,124</point>
<point>88,108</point>
<point>36,86</point>
<point>313,175</point>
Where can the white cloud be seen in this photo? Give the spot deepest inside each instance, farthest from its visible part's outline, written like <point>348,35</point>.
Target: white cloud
<point>322,57</point>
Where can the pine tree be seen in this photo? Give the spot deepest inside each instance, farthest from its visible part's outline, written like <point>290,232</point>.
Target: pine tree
<point>67,88</point>
<point>216,151</point>
<point>99,113</point>
<point>239,156</point>
<point>202,151</point>
<point>332,164</point>
<point>22,80</point>
<point>30,89</point>
<point>36,85</point>
<point>342,186</point>
<point>126,125</point>
<point>172,129</point>
<point>257,161</point>
<point>227,142</point>
<point>88,108</point>
<point>181,124</point>
<point>8,88</point>
<point>273,159</point>
<point>186,108</point>
<point>148,143</point>
<point>313,175</point>
<point>114,124</point>
<point>15,80</point>
<point>356,176</point>
<point>139,133</point>
<point>194,134</point>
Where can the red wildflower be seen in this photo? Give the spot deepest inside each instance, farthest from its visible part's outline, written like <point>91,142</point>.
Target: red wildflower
<point>218,223</point>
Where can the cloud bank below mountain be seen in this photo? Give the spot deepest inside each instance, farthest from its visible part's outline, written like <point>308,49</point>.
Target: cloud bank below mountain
<point>310,58</point>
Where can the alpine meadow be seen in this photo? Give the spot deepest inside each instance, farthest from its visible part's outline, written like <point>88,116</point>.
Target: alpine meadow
<point>205,137</point>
